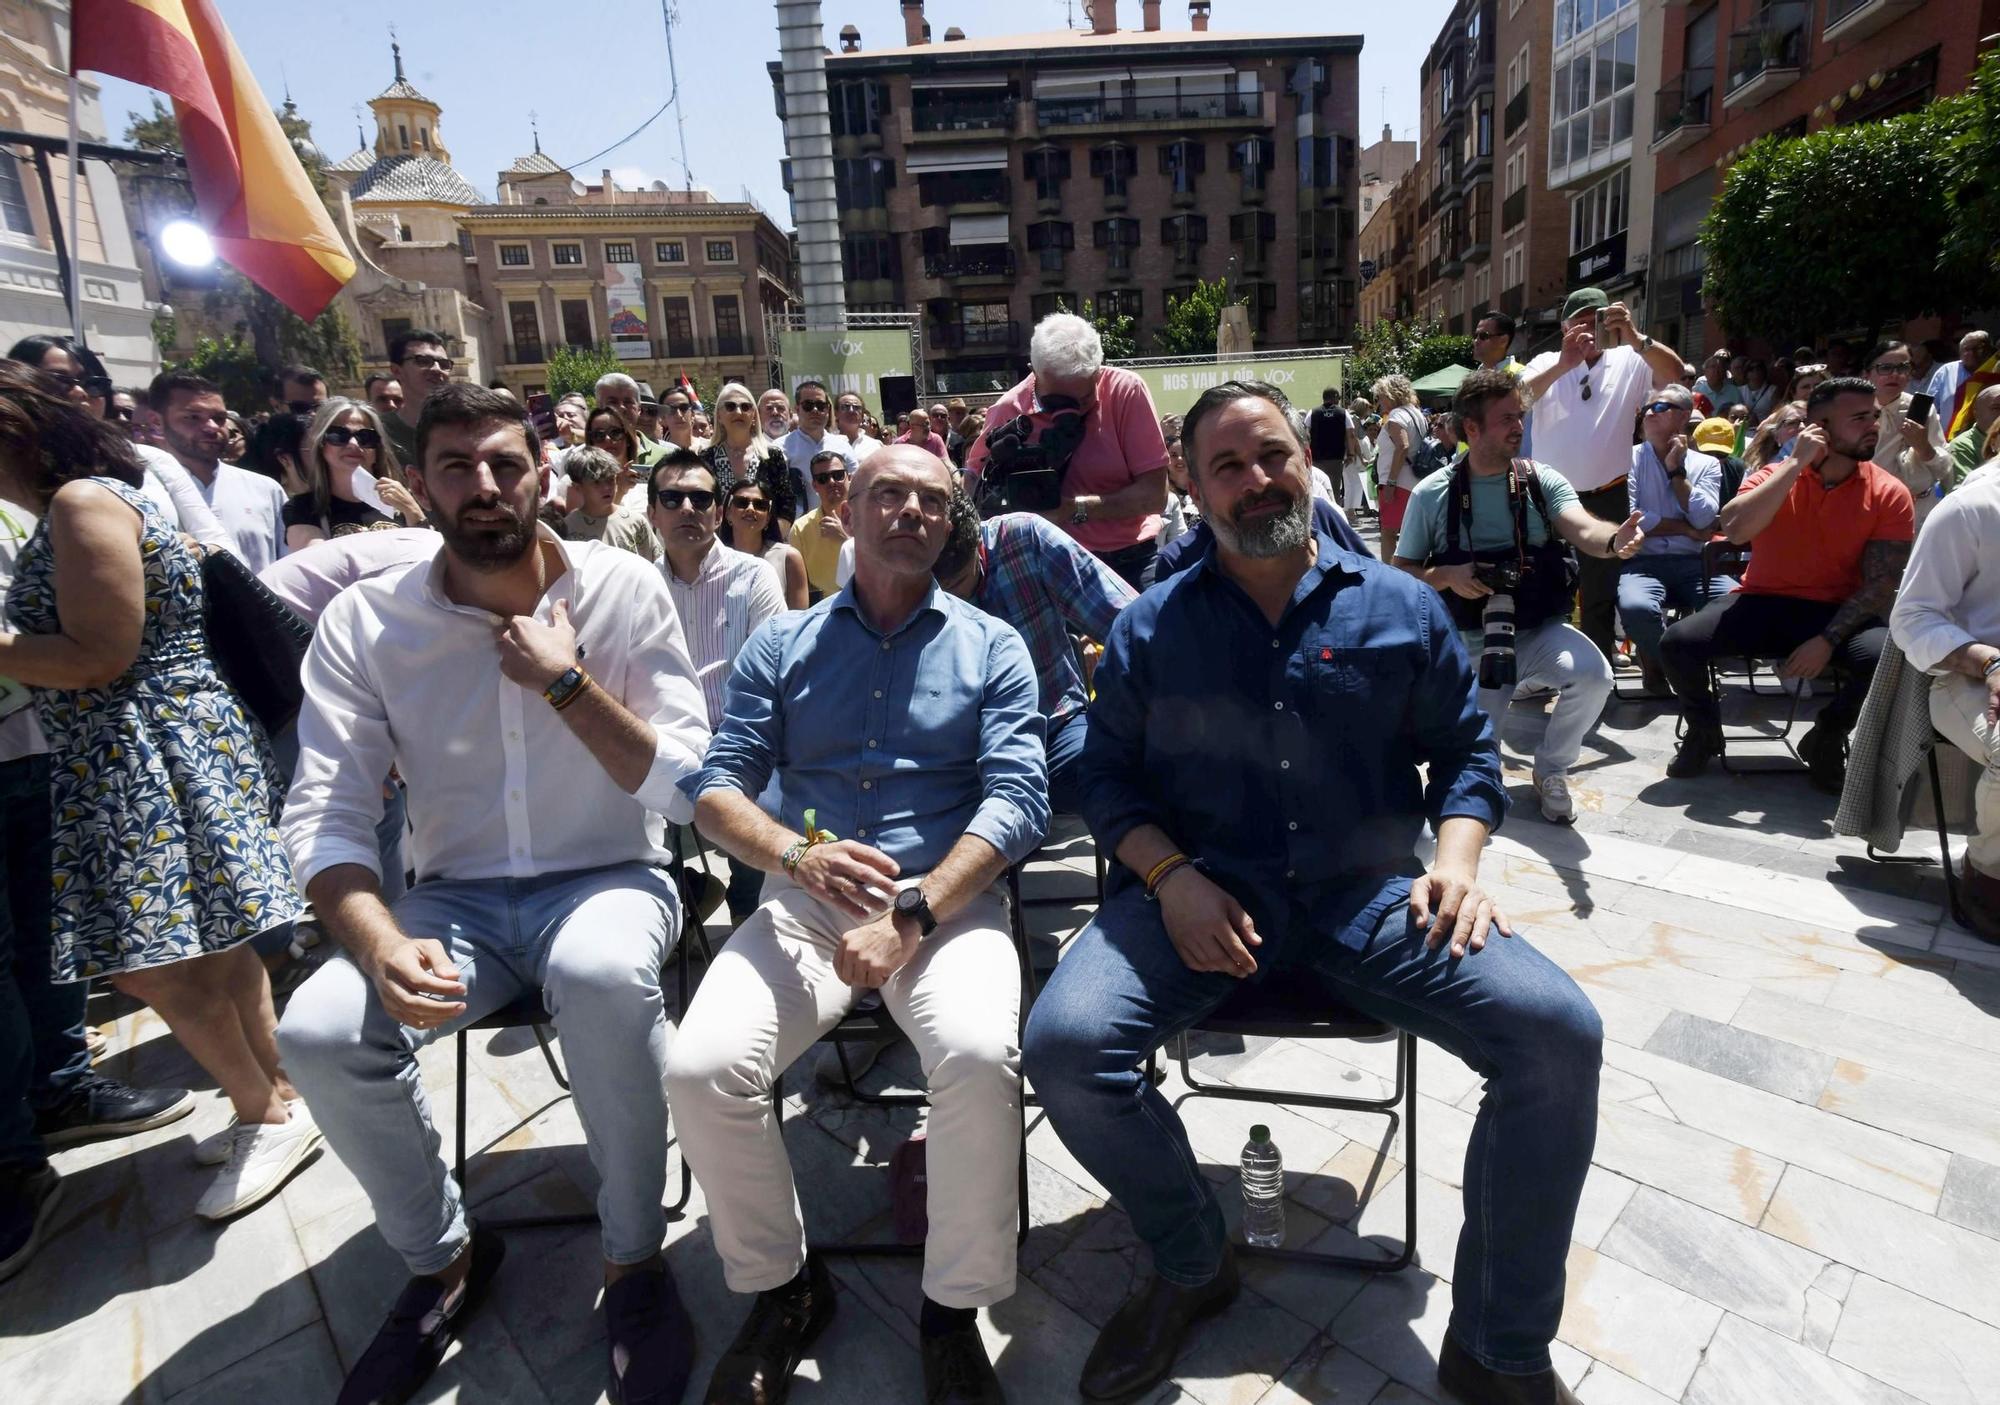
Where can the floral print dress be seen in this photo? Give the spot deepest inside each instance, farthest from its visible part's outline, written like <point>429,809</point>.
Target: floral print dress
<point>160,783</point>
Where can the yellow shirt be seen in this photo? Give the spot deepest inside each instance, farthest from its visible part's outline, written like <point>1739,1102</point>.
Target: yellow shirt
<point>821,551</point>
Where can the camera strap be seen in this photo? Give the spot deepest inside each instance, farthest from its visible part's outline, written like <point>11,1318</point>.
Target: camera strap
<point>1521,486</point>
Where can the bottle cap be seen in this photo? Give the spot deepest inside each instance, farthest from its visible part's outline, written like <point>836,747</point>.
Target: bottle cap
<point>1260,1133</point>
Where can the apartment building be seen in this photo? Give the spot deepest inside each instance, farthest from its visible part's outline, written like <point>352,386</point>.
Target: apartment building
<point>1736,70</point>
<point>985,181</point>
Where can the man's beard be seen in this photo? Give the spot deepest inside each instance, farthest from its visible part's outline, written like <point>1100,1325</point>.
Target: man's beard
<point>1268,536</point>
<point>484,548</point>
<point>1860,450</point>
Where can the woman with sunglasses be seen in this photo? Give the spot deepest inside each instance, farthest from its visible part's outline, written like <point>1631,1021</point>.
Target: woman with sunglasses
<point>1773,439</point>
<point>344,438</point>
<point>606,429</point>
<point>743,453</point>
<point>235,440</point>
<point>749,526</point>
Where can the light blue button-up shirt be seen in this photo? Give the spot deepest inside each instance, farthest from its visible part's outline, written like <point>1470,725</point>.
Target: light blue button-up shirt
<point>903,741</point>
<point>1652,496</point>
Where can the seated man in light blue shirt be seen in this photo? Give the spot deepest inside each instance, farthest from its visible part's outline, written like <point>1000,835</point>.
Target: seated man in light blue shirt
<point>906,733</point>
<point>1677,492</point>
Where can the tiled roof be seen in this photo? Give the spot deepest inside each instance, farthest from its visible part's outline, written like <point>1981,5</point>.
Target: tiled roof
<point>396,179</point>
<point>535,164</point>
<point>361,160</point>
<point>401,89</point>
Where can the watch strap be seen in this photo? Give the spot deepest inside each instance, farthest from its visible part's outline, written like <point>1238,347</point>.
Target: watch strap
<point>565,689</point>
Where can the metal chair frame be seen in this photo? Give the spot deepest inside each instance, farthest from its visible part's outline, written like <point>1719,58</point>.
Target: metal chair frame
<point>1952,905</point>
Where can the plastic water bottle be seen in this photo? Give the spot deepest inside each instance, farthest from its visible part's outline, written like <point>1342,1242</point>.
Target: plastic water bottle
<point>1263,1176</point>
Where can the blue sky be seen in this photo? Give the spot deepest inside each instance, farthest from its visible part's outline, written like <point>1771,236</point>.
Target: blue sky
<point>594,77</point>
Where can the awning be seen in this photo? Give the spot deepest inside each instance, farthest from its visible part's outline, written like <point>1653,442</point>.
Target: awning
<point>979,229</point>
<point>973,158</point>
<point>1079,82</point>
<point>997,81</point>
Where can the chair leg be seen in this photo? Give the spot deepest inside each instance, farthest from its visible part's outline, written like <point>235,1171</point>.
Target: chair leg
<point>549,1056</point>
<point>458,1113</point>
<point>1951,898</point>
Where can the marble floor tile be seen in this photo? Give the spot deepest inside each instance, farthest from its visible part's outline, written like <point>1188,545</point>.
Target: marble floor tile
<point>1916,1108</point>
<point>1906,1050</point>
<point>1604,1385</point>
<point>1742,1057</point>
<point>1640,1326</point>
<point>1326,1374</point>
<point>96,1363</point>
<point>1963,1006</point>
<point>1683,1161</point>
<point>1939,1356</point>
<point>1716,1259</point>
<point>1605,1196</point>
<point>1972,1196</point>
<point>1959,1268</point>
<point>1747,1365</point>
<point>1397,1324</point>
<point>221,1293</point>
<point>275,1373</point>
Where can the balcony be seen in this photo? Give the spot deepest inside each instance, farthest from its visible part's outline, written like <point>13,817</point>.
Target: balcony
<point>1681,117</point>
<point>1515,115</point>
<point>1513,299</point>
<point>1207,109</point>
<point>1767,57</point>
<point>987,114</point>
<point>529,353</point>
<point>957,189</point>
<point>976,336</point>
<point>1856,19</point>
<point>970,261</point>
<point>1514,209</point>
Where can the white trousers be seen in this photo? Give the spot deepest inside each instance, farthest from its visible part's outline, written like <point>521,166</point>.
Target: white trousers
<point>768,997</point>
<point>1554,655</point>
<point>1958,708</point>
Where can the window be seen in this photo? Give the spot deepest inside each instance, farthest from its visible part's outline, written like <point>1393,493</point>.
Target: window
<point>1517,170</point>
<point>1116,164</point>
<point>669,251</point>
<point>1042,304</point>
<point>1118,238</point>
<point>855,108</point>
<point>1319,234</point>
<point>719,250</point>
<point>1181,162</point>
<point>984,325</point>
<point>620,251</point>
<point>515,256</point>
<point>1599,211</point>
<point>1591,89</point>
<point>729,325</point>
<point>566,255</point>
<point>1048,168</point>
<point>465,244</point>
<point>1254,157</point>
<point>677,320</point>
<point>1513,266</point>
<point>988,187</point>
<point>1121,302</point>
<point>1184,234</point>
<point>393,327</point>
<point>869,256</point>
<point>526,330</point>
<point>1256,226</point>
<point>403,136</point>
<point>861,183</point>
<point>1262,299</point>
<point>1518,71</point>
<point>576,322</point>
<point>1051,239</point>
<point>1321,160</point>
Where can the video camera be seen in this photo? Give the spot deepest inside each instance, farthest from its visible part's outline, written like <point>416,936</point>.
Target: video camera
<point>1024,472</point>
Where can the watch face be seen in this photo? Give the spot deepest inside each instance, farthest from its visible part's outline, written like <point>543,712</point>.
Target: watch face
<point>909,900</point>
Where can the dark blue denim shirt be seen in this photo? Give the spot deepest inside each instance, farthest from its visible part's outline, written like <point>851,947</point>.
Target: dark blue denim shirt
<point>1285,760</point>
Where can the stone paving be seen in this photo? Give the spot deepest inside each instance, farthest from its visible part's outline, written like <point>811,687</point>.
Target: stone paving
<point>1795,1196</point>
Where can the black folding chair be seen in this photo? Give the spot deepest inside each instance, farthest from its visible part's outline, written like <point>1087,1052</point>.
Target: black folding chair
<point>1953,908</point>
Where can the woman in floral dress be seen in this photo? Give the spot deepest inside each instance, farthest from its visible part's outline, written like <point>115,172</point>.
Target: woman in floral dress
<point>166,861</point>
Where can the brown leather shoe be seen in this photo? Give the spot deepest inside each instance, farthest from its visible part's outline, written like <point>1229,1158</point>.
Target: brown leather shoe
<point>1475,1384</point>
<point>1137,1347</point>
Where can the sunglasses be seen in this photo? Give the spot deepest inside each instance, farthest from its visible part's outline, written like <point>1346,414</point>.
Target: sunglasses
<point>814,407</point>
<point>738,407</point>
<point>1662,407</point>
<point>340,435</point>
<point>607,436</point>
<point>1585,379</point>
<point>700,499</point>
<point>425,361</point>
<point>1893,368</point>
<point>742,504</point>
<point>677,409</point>
<point>832,475</point>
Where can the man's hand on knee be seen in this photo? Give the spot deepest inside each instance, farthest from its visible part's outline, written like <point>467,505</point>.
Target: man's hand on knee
<point>848,875</point>
<point>418,984</point>
<point>1209,929</point>
<point>1451,906</point>
<point>871,953</point>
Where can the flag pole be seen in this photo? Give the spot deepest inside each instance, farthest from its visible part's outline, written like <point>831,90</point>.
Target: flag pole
<point>75,279</point>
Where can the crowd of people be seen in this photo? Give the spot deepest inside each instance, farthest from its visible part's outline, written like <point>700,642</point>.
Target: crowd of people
<point>552,647</point>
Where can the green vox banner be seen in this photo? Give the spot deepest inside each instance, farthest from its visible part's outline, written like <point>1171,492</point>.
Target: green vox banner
<point>853,360</point>
<point>1301,378</point>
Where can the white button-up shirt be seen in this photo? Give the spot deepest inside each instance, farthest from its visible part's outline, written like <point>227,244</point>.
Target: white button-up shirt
<point>251,509</point>
<point>499,786</point>
<point>1950,596</point>
<point>732,594</point>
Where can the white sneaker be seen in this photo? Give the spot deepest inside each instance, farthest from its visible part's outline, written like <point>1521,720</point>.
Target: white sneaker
<point>213,1149</point>
<point>262,1157</point>
<point>1553,791</point>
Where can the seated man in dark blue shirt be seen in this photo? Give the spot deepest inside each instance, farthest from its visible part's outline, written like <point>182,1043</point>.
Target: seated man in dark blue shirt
<point>1253,763</point>
<point>1190,546</point>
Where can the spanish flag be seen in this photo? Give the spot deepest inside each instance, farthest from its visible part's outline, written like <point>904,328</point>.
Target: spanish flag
<point>252,194</point>
<point>1988,374</point>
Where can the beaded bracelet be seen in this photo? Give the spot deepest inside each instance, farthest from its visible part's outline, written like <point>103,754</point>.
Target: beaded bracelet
<point>1162,871</point>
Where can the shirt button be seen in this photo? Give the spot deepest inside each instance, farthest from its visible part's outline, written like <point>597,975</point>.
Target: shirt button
<point>868,785</point>
<point>1278,707</point>
<point>1293,825</point>
<point>1291,873</point>
<point>1284,765</point>
<point>514,795</point>
<point>878,692</point>
<point>1274,644</point>
<point>885,646</point>
<point>862,832</point>
<point>519,852</point>
<point>871,746</point>
<point>513,736</point>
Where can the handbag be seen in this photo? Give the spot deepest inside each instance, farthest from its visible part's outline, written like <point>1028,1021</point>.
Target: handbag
<point>254,639</point>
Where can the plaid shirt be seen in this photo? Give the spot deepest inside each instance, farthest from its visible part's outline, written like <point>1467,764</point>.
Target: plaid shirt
<point>1036,577</point>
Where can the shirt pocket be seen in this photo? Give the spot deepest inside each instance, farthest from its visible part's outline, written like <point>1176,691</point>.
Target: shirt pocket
<point>1357,696</point>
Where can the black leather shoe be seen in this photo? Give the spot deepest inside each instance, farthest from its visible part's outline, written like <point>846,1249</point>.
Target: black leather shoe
<point>1137,1347</point>
<point>757,1368</point>
<point>1481,1385</point>
<point>956,1371</point>
<point>1825,755</point>
<point>1700,746</point>
<point>414,1339</point>
<point>651,1339</point>
<point>104,1107</point>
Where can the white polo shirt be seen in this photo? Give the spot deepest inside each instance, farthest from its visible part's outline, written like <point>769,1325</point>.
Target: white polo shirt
<point>1589,440</point>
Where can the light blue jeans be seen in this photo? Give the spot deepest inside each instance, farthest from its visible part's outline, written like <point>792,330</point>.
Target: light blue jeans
<point>593,941</point>
<point>1558,656</point>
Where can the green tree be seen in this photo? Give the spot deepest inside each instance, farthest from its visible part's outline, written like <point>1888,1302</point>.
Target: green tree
<point>1973,244</point>
<point>277,335</point>
<point>1404,348</point>
<point>1114,329</point>
<point>233,366</point>
<point>579,368</point>
<point>1192,320</point>
<point>1792,259</point>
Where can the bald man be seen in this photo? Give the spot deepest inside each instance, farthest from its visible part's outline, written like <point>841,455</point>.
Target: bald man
<point>1975,444</point>
<point>884,875</point>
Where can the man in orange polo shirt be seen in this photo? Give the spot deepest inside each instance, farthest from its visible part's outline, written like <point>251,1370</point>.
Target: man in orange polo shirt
<point>1829,533</point>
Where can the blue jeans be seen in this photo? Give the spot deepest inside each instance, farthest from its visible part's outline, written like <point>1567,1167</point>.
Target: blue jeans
<point>42,1054</point>
<point>593,941</point>
<point>1649,585</point>
<point>1065,750</point>
<point>1122,991</point>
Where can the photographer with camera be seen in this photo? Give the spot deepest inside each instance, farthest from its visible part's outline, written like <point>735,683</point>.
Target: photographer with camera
<point>1490,537</point>
<point>1078,442</point>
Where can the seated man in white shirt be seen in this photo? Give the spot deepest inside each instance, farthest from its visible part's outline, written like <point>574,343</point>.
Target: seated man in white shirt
<point>1947,622</point>
<point>722,596</point>
<point>536,788</point>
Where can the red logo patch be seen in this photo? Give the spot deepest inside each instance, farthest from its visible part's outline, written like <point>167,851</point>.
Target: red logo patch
<point>1326,655</point>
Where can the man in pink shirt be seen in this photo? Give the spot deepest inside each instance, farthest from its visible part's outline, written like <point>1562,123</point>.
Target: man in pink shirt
<point>1114,480</point>
<point>922,435</point>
